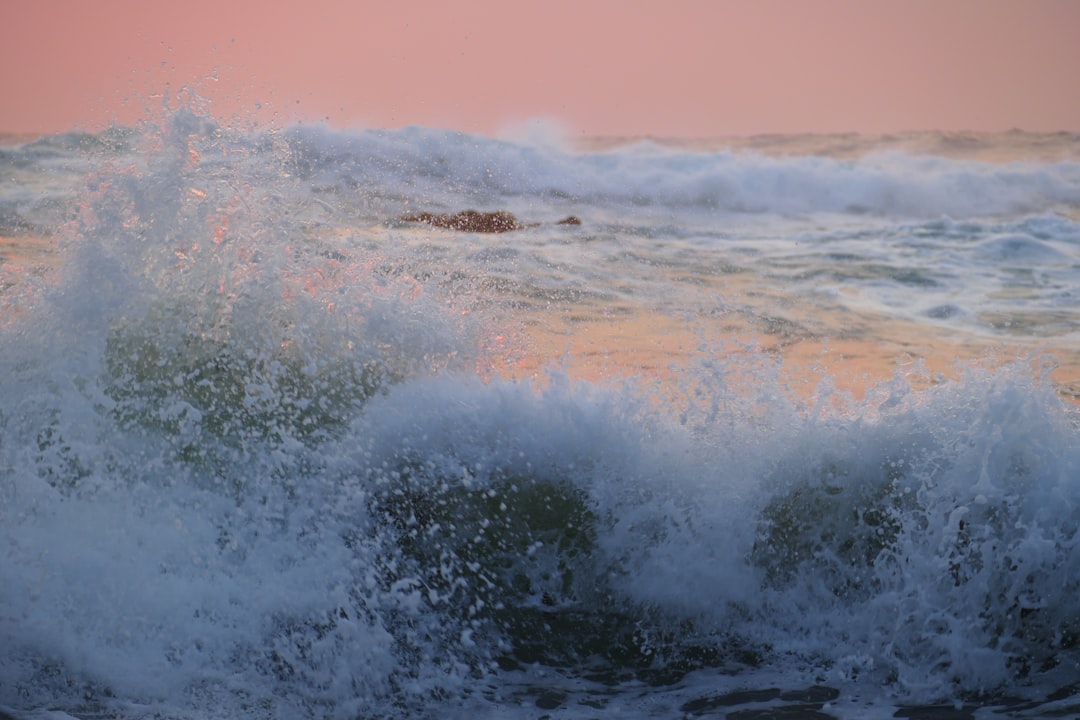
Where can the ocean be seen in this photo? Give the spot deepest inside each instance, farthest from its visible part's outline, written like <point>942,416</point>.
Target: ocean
<point>772,427</point>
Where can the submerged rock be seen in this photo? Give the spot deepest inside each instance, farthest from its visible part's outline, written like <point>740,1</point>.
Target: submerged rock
<point>469,221</point>
<point>499,221</point>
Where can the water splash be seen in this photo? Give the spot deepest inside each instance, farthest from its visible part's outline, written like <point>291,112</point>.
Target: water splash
<point>248,466</point>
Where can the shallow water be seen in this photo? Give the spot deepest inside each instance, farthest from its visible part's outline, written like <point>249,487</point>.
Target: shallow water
<point>784,429</point>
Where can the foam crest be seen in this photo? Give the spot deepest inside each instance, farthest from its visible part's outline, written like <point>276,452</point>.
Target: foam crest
<point>643,176</point>
<point>932,542</point>
<point>246,470</point>
<point>164,405</point>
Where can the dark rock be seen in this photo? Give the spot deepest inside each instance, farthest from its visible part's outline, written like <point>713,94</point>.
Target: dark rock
<point>499,221</point>
<point>702,705</point>
<point>782,712</point>
<point>815,694</point>
<point>937,712</point>
<point>1065,692</point>
<point>550,699</point>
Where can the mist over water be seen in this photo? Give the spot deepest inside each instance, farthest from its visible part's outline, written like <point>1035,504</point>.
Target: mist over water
<point>261,453</point>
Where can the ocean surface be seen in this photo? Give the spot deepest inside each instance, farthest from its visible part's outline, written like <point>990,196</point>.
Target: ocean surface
<point>785,427</point>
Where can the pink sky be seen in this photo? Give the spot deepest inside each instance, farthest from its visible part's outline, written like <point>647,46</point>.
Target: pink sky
<point>667,67</point>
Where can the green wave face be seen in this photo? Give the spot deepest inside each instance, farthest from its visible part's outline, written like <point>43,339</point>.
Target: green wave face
<point>513,557</point>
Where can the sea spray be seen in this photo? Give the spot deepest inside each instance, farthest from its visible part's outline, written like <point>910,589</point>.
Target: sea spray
<point>934,535</point>
<point>254,459</point>
<point>165,405</point>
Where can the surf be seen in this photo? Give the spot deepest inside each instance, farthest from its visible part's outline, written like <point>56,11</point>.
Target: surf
<point>252,466</point>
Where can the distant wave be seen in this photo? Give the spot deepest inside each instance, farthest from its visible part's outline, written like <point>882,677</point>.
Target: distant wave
<point>648,174</point>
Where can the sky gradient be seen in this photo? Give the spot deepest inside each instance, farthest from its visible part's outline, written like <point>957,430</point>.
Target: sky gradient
<point>598,67</point>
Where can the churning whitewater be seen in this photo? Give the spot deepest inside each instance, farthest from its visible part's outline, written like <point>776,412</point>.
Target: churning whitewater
<point>260,457</point>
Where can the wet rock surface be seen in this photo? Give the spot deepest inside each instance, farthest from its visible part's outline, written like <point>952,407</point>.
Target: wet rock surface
<point>498,221</point>
<point>802,704</point>
<point>820,703</point>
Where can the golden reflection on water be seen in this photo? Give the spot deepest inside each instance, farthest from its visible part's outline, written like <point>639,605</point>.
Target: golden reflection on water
<point>808,341</point>
<point>657,348</point>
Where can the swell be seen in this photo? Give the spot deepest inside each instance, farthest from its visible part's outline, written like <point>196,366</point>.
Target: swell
<point>244,473</point>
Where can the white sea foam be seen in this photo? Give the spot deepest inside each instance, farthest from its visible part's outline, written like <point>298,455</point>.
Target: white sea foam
<point>644,175</point>
<point>249,467</point>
